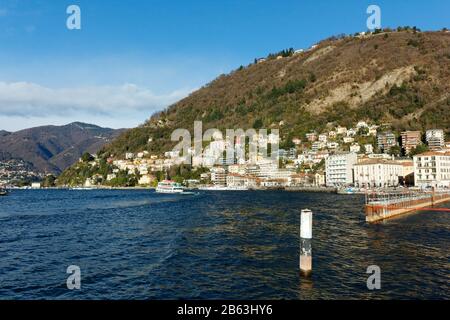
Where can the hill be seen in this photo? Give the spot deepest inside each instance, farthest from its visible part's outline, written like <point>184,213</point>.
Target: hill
<point>400,78</point>
<point>51,149</point>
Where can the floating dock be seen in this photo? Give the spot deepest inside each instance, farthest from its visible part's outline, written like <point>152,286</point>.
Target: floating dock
<point>382,206</point>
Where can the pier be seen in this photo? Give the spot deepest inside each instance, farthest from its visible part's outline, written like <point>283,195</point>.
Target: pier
<point>382,206</point>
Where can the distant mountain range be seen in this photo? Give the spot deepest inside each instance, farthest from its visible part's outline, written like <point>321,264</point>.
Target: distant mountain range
<point>51,149</point>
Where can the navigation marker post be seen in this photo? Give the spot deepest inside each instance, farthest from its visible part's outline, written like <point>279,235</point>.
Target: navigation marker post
<point>305,243</point>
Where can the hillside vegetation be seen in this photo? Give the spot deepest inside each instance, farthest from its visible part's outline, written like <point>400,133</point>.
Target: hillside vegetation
<point>400,78</point>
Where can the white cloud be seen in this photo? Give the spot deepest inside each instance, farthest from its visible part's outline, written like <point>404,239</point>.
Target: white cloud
<point>24,99</point>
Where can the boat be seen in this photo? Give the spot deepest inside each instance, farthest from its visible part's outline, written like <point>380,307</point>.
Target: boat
<point>3,192</point>
<point>168,186</point>
<point>81,189</point>
<point>344,190</point>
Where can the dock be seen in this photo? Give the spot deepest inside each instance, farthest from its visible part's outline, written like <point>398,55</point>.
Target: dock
<point>382,206</point>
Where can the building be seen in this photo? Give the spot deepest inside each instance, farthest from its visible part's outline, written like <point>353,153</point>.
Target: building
<point>236,180</point>
<point>362,124</point>
<point>378,173</point>
<point>332,145</point>
<point>407,178</point>
<point>146,179</point>
<point>339,169</point>
<point>386,140</point>
<point>292,153</point>
<point>435,139</point>
<point>332,134</point>
<point>351,132</point>
<point>319,179</point>
<point>373,130</point>
<point>318,145</point>
<point>219,176</point>
<point>302,180</point>
<point>355,148</point>
<point>323,138</point>
<point>311,137</point>
<point>349,139</point>
<point>368,148</point>
<point>432,169</point>
<point>237,169</point>
<point>341,130</point>
<point>410,140</point>
<point>36,185</point>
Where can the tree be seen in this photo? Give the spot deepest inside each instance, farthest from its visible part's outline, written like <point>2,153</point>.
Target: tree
<point>258,124</point>
<point>421,148</point>
<point>87,157</point>
<point>49,181</point>
<point>395,151</point>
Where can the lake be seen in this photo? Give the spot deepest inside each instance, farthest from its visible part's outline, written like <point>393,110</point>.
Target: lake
<point>136,244</point>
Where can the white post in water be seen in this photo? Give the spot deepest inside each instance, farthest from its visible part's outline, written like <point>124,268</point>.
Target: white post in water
<point>305,243</point>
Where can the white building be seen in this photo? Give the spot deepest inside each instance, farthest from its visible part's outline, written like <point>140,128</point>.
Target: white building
<point>311,137</point>
<point>318,145</point>
<point>362,124</point>
<point>368,148</point>
<point>218,176</point>
<point>341,130</point>
<point>323,138</point>
<point>351,132</point>
<point>146,179</point>
<point>378,173</point>
<point>237,169</point>
<point>355,148</point>
<point>435,139</point>
<point>332,134</point>
<point>432,169</point>
<point>373,131</point>
<point>349,139</point>
<point>339,169</point>
<point>332,145</point>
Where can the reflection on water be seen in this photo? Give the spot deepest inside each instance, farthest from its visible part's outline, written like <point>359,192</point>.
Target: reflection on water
<point>133,244</point>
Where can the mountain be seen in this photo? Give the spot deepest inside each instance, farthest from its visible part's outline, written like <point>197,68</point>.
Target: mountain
<point>400,78</point>
<point>51,149</point>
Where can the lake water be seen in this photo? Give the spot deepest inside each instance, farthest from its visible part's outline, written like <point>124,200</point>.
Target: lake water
<point>136,244</point>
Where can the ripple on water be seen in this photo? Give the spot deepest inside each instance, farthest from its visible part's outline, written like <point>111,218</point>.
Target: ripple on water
<point>135,244</point>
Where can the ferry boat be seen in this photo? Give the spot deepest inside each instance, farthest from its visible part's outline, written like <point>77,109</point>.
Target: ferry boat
<point>168,186</point>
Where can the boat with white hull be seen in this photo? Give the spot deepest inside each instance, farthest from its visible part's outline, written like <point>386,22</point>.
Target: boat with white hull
<point>168,186</point>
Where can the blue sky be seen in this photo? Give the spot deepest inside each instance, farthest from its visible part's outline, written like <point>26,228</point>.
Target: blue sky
<point>134,57</point>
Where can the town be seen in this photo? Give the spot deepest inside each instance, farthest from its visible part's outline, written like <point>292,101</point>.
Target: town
<point>366,156</point>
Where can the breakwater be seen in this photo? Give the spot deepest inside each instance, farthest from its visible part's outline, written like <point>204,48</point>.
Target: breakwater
<point>382,206</point>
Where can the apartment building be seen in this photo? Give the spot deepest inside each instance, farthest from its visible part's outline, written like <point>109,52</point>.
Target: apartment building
<point>219,176</point>
<point>435,139</point>
<point>339,169</point>
<point>386,140</point>
<point>410,140</point>
<point>432,169</point>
